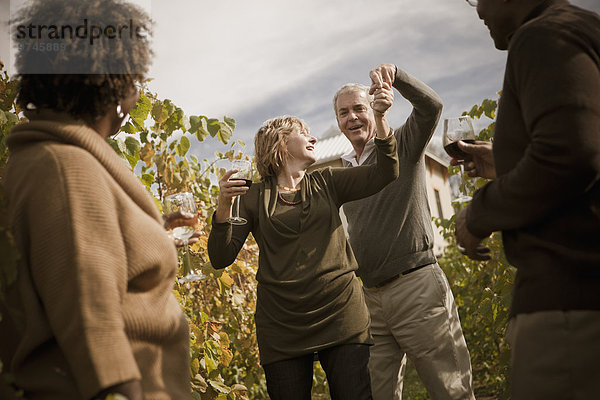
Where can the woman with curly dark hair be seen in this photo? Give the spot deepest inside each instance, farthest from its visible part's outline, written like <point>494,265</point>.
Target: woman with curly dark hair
<point>92,308</point>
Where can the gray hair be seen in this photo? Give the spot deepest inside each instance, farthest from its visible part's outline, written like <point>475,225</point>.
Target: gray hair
<point>352,87</point>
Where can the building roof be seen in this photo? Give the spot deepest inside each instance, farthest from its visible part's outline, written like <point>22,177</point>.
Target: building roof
<point>331,148</point>
<point>333,145</point>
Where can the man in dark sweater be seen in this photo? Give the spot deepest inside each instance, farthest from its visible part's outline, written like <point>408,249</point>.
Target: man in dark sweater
<point>545,197</point>
<point>410,302</point>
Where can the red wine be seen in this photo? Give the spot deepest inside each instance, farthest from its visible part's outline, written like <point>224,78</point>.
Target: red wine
<point>456,153</point>
<point>247,182</point>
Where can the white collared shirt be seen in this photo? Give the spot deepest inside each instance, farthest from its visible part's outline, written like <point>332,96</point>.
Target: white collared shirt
<point>368,149</point>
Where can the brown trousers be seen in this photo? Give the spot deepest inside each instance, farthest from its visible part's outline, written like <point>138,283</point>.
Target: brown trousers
<point>555,355</point>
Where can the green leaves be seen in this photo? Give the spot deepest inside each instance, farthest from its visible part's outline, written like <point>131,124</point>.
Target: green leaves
<point>128,148</point>
<point>202,126</point>
<point>213,126</point>
<point>487,108</point>
<point>482,291</point>
<point>129,128</point>
<point>183,146</point>
<point>158,142</point>
<point>8,92</point>
<point>116,396</point>
<point>224,363</point>
<point>148,180</point>
<point>176,121</point>
<point>161,111</point>
<point>199,127</point>
<point>226,131</point>
<point>132,147</point>
<point>211,355</point>
<point>140,111</point>
<point>7,117</point>
<point>219,386</point>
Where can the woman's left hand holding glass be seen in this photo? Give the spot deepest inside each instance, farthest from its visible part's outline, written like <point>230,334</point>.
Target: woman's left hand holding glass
<point>228,190</point>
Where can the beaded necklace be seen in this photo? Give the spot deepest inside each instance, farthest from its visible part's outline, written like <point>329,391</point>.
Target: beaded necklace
<point>287,189</point>
<point>289,203</point>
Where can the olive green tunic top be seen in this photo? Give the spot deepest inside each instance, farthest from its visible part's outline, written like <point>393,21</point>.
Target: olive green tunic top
<point>309,297</point>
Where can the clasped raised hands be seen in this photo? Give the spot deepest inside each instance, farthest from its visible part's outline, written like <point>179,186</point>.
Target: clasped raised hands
<point>382,79</point>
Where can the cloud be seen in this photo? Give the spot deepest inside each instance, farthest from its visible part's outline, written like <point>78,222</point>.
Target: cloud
<point>252,60</point>
<point>255,60</point>
<point>296,56</point>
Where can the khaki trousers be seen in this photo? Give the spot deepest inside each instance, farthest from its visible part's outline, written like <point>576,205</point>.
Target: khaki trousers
<point>415,316</point>
<point>555,355</point>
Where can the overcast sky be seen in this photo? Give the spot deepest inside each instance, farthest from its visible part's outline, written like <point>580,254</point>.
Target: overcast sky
<point>254,60</point>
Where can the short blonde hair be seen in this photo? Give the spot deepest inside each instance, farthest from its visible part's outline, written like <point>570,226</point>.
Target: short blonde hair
<point>270,149</point>
<point>350,88</point>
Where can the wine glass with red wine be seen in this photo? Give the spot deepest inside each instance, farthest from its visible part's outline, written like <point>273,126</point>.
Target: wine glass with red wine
<point>244,173</point>
<point>455,129</point>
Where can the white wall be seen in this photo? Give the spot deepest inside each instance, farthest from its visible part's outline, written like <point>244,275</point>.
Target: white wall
<point>437,179</point>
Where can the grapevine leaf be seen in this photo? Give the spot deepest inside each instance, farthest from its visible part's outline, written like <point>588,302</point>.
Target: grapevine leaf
<point>175,121</point>
<point>230,122</point>
<point>129,128</point>
<point>160,113</point>
<point>140,111</point>
<point>132,146</point>
<point>148,179</point>
<point>225,133</point>
<point>183,146</point>
<point>213,126</point>
<point>219,386</point>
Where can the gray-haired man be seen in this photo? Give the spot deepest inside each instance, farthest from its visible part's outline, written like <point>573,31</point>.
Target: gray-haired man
<point>412,308</point>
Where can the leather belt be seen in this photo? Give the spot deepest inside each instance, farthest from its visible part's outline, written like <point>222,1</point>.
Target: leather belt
<point>393,278</point>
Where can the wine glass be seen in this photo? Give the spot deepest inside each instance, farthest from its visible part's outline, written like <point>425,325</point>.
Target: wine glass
<point>244,173</point>
<point>184,202</point>
<point>455,129</point>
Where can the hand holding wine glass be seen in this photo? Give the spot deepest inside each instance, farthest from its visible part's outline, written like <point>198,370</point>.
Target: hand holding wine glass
<point>235,178</point>
<point>182,216</point>
<point>458,129</point>
<point>482,159</point>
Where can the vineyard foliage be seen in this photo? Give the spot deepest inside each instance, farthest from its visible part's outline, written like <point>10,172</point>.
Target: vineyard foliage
<point>482,290</point>
<point>158,141</point>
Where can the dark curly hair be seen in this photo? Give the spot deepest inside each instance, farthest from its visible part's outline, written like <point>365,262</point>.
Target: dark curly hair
<point>80,75</point>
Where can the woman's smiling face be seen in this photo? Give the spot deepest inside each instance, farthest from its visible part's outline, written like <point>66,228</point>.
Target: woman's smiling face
<point>300,146</point>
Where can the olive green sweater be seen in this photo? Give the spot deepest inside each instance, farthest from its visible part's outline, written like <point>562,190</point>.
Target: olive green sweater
<point>390,232</point>
<point>309,297</point>
<point>93,304</point>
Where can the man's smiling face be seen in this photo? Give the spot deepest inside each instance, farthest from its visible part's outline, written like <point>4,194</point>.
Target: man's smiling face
<point>355,117</point>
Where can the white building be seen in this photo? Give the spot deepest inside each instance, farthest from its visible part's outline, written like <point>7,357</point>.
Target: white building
<point>333,144</point>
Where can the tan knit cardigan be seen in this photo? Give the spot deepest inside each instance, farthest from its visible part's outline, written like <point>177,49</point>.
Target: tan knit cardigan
<point>93,305</point>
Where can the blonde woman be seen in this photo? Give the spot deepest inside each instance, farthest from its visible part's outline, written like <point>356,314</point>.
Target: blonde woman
<point>309,299</point>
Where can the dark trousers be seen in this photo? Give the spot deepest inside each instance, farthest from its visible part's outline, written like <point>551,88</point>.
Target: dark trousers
<point>346,367</point>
